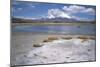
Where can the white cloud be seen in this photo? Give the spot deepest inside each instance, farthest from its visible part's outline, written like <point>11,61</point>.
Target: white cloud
<point>15,3</point>
<point>82,19</point>
<point>78,9</point>
<point>31,5</point>
<point>90,11</point>
<point>69,11</point>
<point>53,13</point>
<point>16,9</point>
<point>73,9</point>
<point>19,8</point>
<point>25,17</point>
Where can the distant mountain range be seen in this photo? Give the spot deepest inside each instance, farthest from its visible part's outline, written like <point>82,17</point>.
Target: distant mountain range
<point>59,19</point>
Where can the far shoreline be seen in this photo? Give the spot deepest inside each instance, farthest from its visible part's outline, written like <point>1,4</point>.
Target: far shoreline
<point>53,24</point>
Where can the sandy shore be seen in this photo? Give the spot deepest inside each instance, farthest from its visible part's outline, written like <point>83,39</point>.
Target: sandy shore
<point>22,45</point>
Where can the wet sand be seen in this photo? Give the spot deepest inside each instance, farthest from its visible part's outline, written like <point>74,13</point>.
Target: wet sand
<point>22,44</point>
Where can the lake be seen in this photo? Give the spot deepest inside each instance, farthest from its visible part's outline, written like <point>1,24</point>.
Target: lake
<point>88,29</point>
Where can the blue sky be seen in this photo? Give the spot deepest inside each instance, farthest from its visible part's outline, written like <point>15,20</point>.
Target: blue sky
<point>33,10</point>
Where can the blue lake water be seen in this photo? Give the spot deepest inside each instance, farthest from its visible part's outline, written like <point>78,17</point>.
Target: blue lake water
<point>83,29</point>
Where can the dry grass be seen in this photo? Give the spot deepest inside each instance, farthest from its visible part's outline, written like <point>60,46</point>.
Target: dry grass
<point>37,45</point>
<point>85,38</point>
<point>93,38</point>
<point>82,37</point>
<point>67,38</point>
<point>50,39</point>
<point>46,40</point>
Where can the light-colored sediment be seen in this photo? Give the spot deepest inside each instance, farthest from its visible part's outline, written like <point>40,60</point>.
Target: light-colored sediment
<point>62,48</point>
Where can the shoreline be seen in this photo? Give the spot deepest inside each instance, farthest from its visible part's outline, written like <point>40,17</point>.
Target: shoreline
<point>52,24</point>
<point>40,33</point>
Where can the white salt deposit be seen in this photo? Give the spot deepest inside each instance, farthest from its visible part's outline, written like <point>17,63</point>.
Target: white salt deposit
<point>59,51</point>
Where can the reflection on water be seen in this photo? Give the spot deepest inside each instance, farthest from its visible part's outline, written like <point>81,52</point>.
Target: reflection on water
<point>83,29</point>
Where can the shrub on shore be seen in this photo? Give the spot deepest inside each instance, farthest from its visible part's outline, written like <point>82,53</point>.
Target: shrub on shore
<point>67,38</point>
